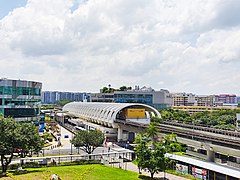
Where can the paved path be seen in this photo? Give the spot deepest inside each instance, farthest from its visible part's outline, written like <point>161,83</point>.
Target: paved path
<point>133,167</point>
<point>66,145</point>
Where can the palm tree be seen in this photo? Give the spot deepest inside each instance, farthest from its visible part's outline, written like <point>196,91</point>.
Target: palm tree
<point>152,132</point>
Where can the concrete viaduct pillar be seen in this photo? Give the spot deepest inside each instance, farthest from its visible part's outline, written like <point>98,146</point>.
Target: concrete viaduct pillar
<point>210,155</point>
<point>238,160</point>
<point>120,133</point>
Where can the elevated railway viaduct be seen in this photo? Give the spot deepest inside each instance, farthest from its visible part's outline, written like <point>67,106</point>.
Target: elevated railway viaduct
<point>128,117</point>
<point>223,142</point>
<point>135,117</point>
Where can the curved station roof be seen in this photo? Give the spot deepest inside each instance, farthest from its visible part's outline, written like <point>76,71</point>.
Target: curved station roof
<point>106,114</point>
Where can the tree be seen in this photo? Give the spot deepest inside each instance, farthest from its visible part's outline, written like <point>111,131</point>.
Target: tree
<point>88,140</point>
<point>30,139</point>
<point>166,115</point>
<point>152,132</point>
<point>129,88</point>
<point>153,160</point>
<point>123,88</point>
<point>107,90</point>
<point>17,136</point>
<point>104,90</point>
<point>171,144</point>
<point>156,119</point>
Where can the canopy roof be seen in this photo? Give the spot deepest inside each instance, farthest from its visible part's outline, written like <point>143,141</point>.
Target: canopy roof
<point>103,113</point>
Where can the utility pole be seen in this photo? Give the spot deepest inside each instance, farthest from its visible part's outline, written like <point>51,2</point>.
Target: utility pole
<point>237,121</point>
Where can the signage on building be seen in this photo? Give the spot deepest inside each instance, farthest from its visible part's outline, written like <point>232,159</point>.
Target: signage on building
<point>135,113</point>
<point>182,169</point>
<point>41,122</point>
<point>41,128</point>
<point>199,173</point>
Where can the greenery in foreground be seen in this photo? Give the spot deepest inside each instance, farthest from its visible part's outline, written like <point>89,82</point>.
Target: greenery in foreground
<point>151,149</point>
<point>79,172</point>
<point>17,137</point>
<point>88,140</point>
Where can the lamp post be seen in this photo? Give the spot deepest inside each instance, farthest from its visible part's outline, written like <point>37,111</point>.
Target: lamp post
<point>59,144</point>
<point>193,127</point>
<point>71,143</point>
<point>237,121</point>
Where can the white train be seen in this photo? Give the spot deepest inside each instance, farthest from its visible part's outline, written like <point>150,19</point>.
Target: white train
<point>75,122</point>
<point>80,125</point>
<point>105,130</point>
<point>78,128</point>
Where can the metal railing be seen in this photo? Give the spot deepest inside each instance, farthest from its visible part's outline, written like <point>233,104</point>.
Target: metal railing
<point>109,158</point>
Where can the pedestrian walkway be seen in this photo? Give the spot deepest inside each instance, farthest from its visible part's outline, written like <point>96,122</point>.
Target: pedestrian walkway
<point>66,136</point>
<point>64,139</point>
<point>132,167</point>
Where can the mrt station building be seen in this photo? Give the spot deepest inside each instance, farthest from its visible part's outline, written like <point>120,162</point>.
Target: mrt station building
<point>127,118</point>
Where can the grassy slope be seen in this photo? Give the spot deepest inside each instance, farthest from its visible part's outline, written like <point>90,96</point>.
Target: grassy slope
<point>80,172</point>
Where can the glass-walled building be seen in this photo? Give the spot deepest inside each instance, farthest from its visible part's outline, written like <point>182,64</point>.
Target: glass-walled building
<point>157,99</point>
<point>161,99</point>
<point>20,99</point>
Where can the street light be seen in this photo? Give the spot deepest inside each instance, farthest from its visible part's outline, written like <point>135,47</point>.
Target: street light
<point>71,142</point>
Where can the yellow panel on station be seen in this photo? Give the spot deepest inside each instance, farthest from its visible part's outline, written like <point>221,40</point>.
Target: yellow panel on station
<point>135,113</point>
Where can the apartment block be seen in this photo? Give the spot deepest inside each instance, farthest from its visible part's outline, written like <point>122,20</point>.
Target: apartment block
<point>51,97</point>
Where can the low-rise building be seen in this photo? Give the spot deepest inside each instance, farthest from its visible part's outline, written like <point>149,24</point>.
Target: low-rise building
<point>189,99</point>
<point>204,100</point>
<point>102,97</point>
<point>183,99</point>
<point>226,98</point>
<point>194,109</point>
<point>158,99</point>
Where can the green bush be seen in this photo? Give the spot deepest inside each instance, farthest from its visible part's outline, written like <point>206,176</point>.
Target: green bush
<point>13,166</point>
<point>32,165</point>
<point>37,165</point>
<point>189,176</point>
<point>80,162</point>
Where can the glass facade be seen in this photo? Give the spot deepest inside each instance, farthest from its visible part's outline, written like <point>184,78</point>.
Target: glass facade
<point>137,98</point>
<point>20,90</point>
<point>20,99</point>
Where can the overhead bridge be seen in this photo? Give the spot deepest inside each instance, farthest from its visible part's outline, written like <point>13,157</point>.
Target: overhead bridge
<point>113,115</point>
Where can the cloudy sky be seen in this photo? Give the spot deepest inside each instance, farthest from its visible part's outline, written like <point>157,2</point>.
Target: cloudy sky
<point>82,45</point>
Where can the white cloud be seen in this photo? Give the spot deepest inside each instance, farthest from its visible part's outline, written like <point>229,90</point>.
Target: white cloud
<point>183,45</point>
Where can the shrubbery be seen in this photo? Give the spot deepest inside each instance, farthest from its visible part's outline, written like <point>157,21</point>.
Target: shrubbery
<point>80,162</point>
<point>32,165</point>
<point>37,165</point>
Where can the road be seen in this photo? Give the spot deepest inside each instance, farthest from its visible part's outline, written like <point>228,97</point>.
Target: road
<point>66,147</point>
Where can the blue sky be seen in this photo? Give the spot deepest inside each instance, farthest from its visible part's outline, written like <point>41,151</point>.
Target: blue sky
<point>8,5</point>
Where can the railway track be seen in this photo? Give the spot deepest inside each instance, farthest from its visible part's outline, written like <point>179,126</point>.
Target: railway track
<point>227,132</point>
<point>198,136</point>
